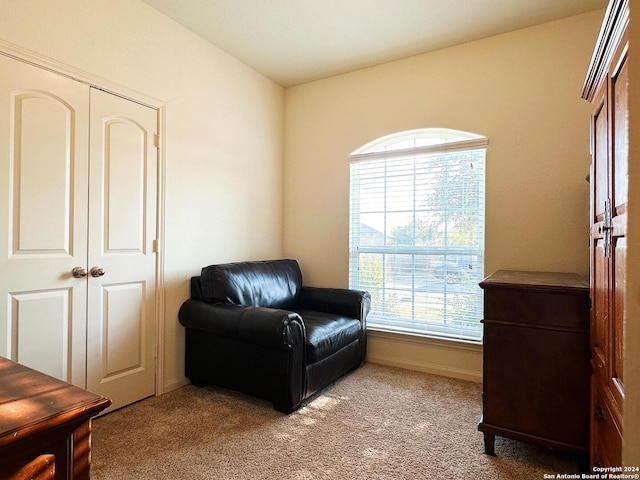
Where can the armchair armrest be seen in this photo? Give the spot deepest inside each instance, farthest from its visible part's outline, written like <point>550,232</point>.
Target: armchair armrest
<point>342,301</point>
<point>267,327</point>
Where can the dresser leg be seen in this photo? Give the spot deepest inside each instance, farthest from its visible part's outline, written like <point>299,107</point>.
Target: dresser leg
<point>489,439</point>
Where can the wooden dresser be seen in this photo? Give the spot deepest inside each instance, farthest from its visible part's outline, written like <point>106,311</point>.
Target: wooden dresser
<point>45,425</point>
<point>536,359</point>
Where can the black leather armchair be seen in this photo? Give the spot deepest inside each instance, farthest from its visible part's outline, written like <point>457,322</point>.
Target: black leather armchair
<point>253,327</point>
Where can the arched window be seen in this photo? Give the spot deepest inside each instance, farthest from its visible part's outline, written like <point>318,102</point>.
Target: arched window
<point>417,231</point>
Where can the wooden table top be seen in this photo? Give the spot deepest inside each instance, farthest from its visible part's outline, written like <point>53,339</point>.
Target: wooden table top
<point>31,402</point>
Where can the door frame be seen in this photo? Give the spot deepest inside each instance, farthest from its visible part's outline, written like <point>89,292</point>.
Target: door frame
<point>46,63</point>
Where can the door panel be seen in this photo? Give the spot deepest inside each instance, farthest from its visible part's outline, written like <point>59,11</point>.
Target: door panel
<point>600,308</point>
<point>600,155</point>
<point>123,346</point>
<point>620,135</point>
<point>46,353</point>
<point>619,169</point>
<point>41,170</point>
<point>43,233</point>
<point>124,199</point>
<point>618,291</point>
<point>122,226</point>
<point>608,261</point>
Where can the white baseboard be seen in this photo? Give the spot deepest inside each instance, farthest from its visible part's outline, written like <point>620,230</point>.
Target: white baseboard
<point>437,356</point>
<point>175,384</point>
<point>432,368</point>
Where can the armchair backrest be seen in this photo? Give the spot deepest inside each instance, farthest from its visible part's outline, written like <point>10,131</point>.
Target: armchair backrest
<point>269,283</point>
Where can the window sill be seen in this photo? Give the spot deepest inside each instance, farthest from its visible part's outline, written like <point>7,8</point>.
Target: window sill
<point>454,343</point>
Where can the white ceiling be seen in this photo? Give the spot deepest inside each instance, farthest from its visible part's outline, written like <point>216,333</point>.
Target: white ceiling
<point>296,41</point>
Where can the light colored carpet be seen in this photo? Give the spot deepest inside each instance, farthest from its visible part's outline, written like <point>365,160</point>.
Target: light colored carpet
<point>377,422</point>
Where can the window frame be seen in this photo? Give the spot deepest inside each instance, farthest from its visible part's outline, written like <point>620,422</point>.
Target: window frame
<point>427,142</point>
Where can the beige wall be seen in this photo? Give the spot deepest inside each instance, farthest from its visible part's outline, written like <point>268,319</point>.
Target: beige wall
<point>521,90</point>
<point>223,131</point>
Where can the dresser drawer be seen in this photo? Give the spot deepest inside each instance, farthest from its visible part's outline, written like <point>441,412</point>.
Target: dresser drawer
<point>537,308</point>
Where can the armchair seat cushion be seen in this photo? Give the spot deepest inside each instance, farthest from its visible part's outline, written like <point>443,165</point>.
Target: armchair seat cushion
<point>328,333</point>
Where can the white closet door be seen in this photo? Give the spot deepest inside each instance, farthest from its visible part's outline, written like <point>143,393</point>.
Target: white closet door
<point>43,219</point>
<point>78,189</point>
<point>122,258</point>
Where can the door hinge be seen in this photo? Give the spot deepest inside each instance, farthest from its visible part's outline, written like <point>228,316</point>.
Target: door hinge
<point>155,246</point>
<point>155,350</point>
<point>156,140</point>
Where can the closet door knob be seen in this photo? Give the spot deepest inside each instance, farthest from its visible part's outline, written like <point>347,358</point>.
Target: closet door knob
<point>79,272</point>
<point>97,272</point>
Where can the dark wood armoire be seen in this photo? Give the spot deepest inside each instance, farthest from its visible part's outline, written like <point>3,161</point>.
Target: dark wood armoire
<point>606,87</point>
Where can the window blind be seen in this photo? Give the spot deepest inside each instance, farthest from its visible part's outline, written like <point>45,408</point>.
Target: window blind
<point>417,237</point>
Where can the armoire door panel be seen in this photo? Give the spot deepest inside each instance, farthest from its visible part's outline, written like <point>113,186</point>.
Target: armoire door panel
<point>620,109</point>
<point>619,194</point>
<point>44,144</point>
<point>606,434</point>
<point>620,160</point>
<point>600,308</point>
<point>600,155</point>
<point>617,343</point>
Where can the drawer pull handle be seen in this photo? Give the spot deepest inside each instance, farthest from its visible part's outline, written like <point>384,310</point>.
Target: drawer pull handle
<point>598,413</point>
